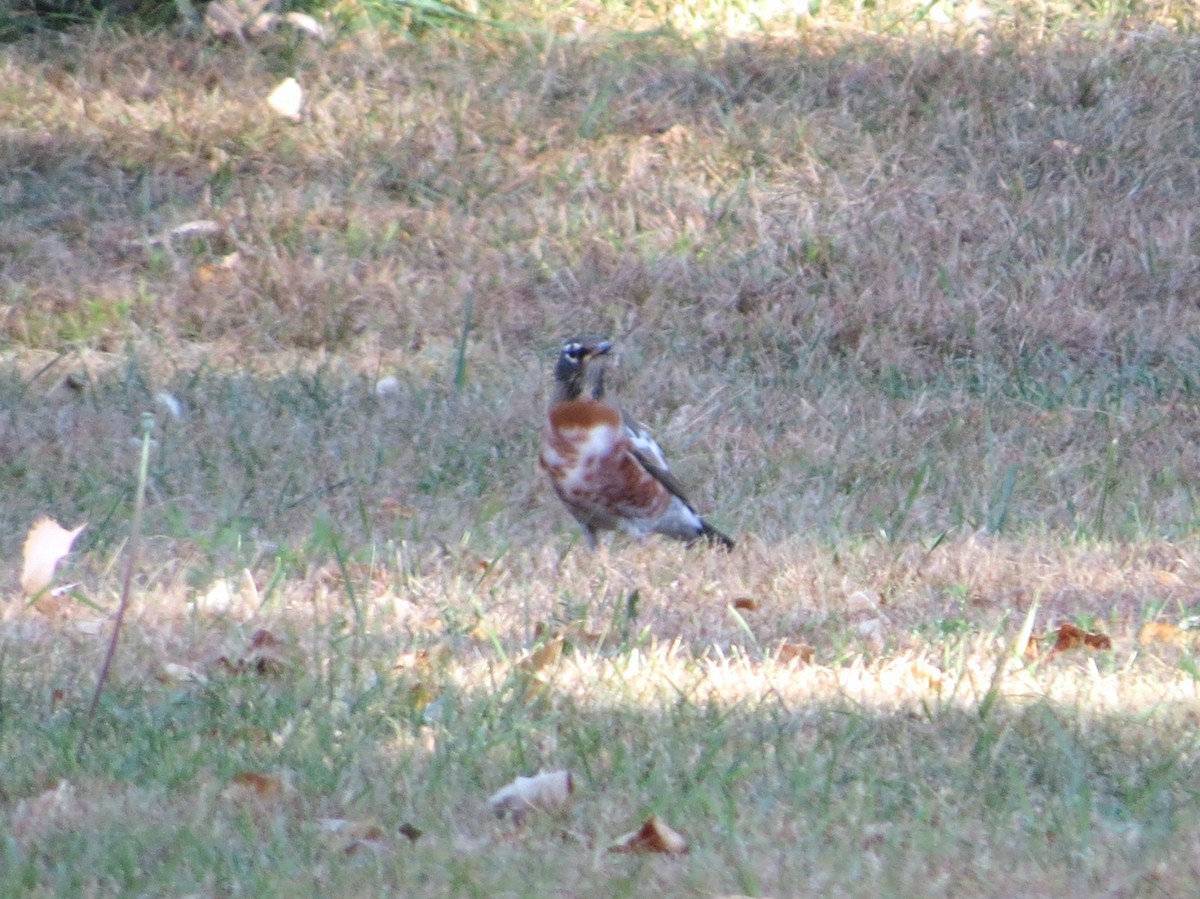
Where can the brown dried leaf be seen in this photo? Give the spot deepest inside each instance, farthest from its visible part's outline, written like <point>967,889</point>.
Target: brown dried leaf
<point>254,785</point>
<point>545,656</point>
<point>208,273</point>
<point>930,674</point>
<point>1159,632</point>
<point>264,654</point>
<point>261,784</point>
<point>578,635</point>
<point>1033,647</point>
<point>357,836</point>
<point>47,543</point>
<point>747,604</point>
<point>1167,578</point>
<point>1069,637</point>
<point>653,836</point>
<point>789,652</point>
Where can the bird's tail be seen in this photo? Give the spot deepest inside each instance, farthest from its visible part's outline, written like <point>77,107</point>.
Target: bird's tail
<point>713,536</point>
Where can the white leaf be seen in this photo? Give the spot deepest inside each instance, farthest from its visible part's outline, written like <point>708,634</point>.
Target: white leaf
<point>172,671</point>
<point>287,99</point>
<point>197,228</point>
<point>542,792</point>
<point>48,542</point>
<point>305,22</point>
<point>263,23</point>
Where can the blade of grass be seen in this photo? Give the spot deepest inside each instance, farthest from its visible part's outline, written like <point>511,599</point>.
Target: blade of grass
<point>460,365</point>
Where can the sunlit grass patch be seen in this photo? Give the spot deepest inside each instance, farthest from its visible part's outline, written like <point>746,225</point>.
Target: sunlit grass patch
<point>859,764</point>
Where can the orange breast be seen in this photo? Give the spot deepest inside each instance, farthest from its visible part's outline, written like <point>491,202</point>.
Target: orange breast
<point>583,414</point>
<point>591,464</point>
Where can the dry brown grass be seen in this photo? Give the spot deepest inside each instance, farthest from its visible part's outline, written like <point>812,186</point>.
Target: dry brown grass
<point>909,300</point>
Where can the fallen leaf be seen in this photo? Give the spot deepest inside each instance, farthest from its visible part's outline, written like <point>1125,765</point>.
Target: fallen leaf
<point>543,792</point>
<point>863,601</point>
<point>1033,647</point>
<point>544,656</point>
<point>264,654</point>
<point>357,835</point>
<point>377,847</point>
<point>263,23</point>
<point>216,600</point>
<point>923,671</point>
<point>224,19</point>
<point>173,672</point>
<point>227,18</point>
<point>1069,637</point>
<point>580,636</point>
<point>47,543</point>
<point>287,99</point>
<point>653,836</point>
<point>90,627</point>
<point>246,785</point>
<point>789,652</point>
<point>196,228</point>
<point>1159,632</point>
<point>746,604</point>
<point>1167,578</point>
<point>412,833</point>
<point>306,23</point>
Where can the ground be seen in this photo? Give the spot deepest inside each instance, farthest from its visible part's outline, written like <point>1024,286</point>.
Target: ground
<point>906,293</point>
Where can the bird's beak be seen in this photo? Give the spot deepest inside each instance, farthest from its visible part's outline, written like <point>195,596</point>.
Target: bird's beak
<point>602,349</point>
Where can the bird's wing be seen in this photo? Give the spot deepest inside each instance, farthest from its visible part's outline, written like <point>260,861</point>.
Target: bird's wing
<point>643,441</point>
<point>663,476</point>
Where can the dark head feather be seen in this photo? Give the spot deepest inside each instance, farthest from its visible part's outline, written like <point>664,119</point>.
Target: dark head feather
<point>580,369</point>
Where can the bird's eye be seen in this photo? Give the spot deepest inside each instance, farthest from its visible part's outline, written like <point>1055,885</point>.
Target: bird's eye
<point>574,350</point>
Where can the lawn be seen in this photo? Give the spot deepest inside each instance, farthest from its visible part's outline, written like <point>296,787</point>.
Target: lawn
<point>907,292</point>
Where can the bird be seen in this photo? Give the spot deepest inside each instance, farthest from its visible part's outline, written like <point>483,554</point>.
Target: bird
<point>605,466</point>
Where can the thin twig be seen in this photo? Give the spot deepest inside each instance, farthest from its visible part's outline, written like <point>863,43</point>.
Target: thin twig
<point>135,533</point>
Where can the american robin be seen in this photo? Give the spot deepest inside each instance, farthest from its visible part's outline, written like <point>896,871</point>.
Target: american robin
<point>605,466</point>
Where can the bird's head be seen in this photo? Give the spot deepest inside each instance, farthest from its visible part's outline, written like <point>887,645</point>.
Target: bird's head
<point>580,368</point>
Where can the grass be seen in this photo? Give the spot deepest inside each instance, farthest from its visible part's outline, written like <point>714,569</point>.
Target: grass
<point>906,292</point>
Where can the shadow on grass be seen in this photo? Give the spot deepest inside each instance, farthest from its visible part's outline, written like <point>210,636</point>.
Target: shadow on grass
<point>1035,797</point>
